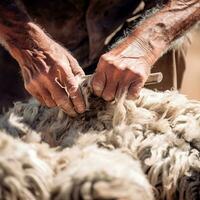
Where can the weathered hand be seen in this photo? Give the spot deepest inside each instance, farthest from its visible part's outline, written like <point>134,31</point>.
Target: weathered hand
<point>117,74</point>
<point>50,76</point>
<point>127,66</point>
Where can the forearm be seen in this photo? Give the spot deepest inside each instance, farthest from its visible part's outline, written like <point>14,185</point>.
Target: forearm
<point>155,34</point>
<point>13,22</point>
<point>20,36</point>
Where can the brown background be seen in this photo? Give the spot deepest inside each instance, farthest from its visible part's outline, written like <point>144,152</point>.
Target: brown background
<point>191,81</point>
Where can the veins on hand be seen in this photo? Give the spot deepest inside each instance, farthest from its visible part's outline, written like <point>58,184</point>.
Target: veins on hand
<point>181,5</point>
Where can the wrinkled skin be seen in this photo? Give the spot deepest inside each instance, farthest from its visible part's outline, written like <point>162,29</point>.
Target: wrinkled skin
<point>116,75</point>
<point>50,71</point>
<point>54,82</point>
<point>126,67</point>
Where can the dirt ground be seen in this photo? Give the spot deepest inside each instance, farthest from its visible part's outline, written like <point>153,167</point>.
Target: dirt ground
<point>191,81</point>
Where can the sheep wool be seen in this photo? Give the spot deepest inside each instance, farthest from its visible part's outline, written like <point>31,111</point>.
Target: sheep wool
<point>144,149</point>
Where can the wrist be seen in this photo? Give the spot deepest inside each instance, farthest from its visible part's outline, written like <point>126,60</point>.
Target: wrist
<point>153,36</point>
<point>29,44</point>
<point>31,37</point>
<point>136,52</point>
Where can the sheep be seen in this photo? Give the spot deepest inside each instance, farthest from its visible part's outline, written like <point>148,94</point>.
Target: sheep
<point>25,172</point>
<point>34,171</point>
<point>142,149</point>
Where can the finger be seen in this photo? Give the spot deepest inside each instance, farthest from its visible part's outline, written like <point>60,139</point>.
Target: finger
<point>39,98</point>
<point>129,78</point>
<point>124,83</point>
<point>46,96</point>
<point>59,96</point>
<point>67,106</point>
<point>133,91</point>
<point>33,91</point>
<point>78,101</point>
<point>62,100</point>
<point>111,86</point>
<point>76,69</point>
<point>37,88</point>
<point>75,94</point>
<point>71,87</point>
<point>98,83</point>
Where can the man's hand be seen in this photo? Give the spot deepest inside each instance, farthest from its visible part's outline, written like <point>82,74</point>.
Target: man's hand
<point>49,76</point>
<point>126,67</point>
<point>49,71</point>
<point>118,74</point>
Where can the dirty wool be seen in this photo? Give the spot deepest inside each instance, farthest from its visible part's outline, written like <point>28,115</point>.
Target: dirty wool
<point>125,150</point>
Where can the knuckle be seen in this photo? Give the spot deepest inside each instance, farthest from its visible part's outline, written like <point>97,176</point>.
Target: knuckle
<point>71,83</point>
<point>106,60</point>
<point>73,90</point>
<point>70,79</point>
<point>135,73</point>
<point>103,58</point>
<point>119,65</point>
<point>138,75</point>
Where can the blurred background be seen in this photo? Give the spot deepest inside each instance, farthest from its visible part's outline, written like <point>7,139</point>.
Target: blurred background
<point>191,81</point>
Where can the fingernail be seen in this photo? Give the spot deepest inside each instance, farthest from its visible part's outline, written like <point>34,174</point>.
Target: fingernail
<point>80,109</point>
<point>70,113</point>
<point>108,98</point>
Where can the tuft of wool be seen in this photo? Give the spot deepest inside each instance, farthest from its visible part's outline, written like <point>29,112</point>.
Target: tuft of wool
<point>25,172</point>
<point>94,173</point>
<point>142,149</point>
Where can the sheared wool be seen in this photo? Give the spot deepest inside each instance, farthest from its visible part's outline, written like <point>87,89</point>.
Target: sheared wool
<point>144,149</point>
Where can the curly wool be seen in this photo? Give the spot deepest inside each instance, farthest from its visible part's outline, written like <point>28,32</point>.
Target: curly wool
<point>143,149</point>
